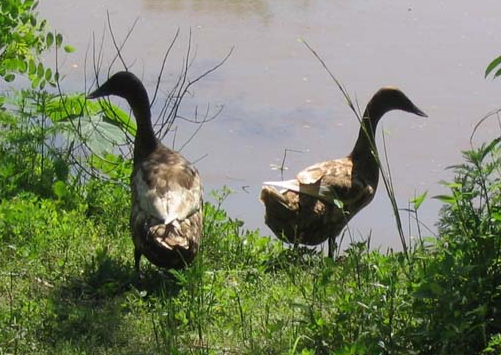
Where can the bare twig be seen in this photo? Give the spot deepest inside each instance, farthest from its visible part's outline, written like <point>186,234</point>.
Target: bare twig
<point>82,155</point>
<point>482,120</point>
<point>159,79</point>
<point>119,48</point>
<point>282,167</point>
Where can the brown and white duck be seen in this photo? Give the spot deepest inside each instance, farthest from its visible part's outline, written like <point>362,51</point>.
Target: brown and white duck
<point>320,201</point>
<point>166,215</point>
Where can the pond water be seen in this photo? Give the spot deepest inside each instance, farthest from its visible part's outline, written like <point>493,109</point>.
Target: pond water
<point>276,95</point>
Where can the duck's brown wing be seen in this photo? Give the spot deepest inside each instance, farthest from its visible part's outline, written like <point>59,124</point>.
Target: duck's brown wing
<point>331,180</point>
<point>299,218</point>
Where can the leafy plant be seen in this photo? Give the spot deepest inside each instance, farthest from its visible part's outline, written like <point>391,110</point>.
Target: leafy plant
<point>458,298</point>
<point>23,37</point>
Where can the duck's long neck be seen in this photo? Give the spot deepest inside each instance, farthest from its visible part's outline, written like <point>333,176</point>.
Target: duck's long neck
<point>145,141</point>
<point>365,146</point>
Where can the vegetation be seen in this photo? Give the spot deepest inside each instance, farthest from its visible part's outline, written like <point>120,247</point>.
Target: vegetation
<point>67,284</point>
<point>23,37</point>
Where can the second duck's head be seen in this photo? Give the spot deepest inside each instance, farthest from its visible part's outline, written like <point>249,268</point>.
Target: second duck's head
<point>123,84</point>
<point>390,98</point>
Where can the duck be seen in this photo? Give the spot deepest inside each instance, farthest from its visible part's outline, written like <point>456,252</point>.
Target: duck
<point>324,197</point>
<point>166,190</point>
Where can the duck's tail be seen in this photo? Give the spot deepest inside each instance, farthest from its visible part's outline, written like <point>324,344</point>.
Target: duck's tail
<point>183,234</point>
<point>169,236</point>
<point>274,201</point>
<point>281,212</point>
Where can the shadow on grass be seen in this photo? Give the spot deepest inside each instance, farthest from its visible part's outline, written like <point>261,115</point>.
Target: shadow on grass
<point>92,310</point>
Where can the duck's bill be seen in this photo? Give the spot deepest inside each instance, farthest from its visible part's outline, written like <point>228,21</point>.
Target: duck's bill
<point>419,112</point>
<point>94,95</point>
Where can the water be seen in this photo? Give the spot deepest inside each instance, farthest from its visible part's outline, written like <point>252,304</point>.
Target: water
<point>277,96</point>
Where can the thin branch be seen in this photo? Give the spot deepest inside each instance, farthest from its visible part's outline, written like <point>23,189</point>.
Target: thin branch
<point>482,120</point>
<point>119,48</point>
<point>164,60</point>
<point>194,133</point>
<point>213,117</point>
<point>201,158</point>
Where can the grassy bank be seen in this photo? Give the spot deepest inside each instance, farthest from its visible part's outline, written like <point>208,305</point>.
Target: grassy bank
<point>67,284</point>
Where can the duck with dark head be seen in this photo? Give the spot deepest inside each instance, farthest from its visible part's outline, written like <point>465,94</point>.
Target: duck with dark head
<point>319,202</point>
<point>166,215</point>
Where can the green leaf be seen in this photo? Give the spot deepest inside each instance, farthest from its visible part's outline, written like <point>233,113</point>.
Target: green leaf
<point>496,216</point>
<point>35,81</point>
<point>40,71</point>
<point>120,118</point>
<point>32,67</point>
<point>49,39</point>
<point>48,74</point>
<point>69,49</point>
<point>9,78</point>
<point>418,200</point>
<point>63,109</point>
<point>99,135</point>
<point>60,189</point>
<point>492,65</point>
<point>59,40</point>
<point>446,198</point>
<point>491,146</point>
<point>22,66</point>
<point>112,165</point>
<point>9,64</point>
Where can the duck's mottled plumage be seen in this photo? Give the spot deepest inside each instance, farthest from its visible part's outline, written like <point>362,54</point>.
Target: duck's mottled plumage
<point>166,215</point>
<point>320,201</point>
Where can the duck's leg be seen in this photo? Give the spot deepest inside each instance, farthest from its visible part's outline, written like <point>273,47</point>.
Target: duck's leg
<point>331,246</point>
<point>137,259</point>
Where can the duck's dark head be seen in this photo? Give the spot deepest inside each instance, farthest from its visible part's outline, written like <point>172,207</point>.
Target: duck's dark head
<point>128,86</point>
<point>123,84</point>
<point>385,99</point>
<point>391,98</point>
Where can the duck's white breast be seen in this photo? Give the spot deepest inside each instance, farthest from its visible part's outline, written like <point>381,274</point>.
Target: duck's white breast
<point>165,200</point>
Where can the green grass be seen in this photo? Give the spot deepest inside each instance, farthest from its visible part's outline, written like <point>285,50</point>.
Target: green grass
<point>67,285</point>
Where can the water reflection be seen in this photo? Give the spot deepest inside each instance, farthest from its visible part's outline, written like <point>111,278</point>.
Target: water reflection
<point>239,8</point>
